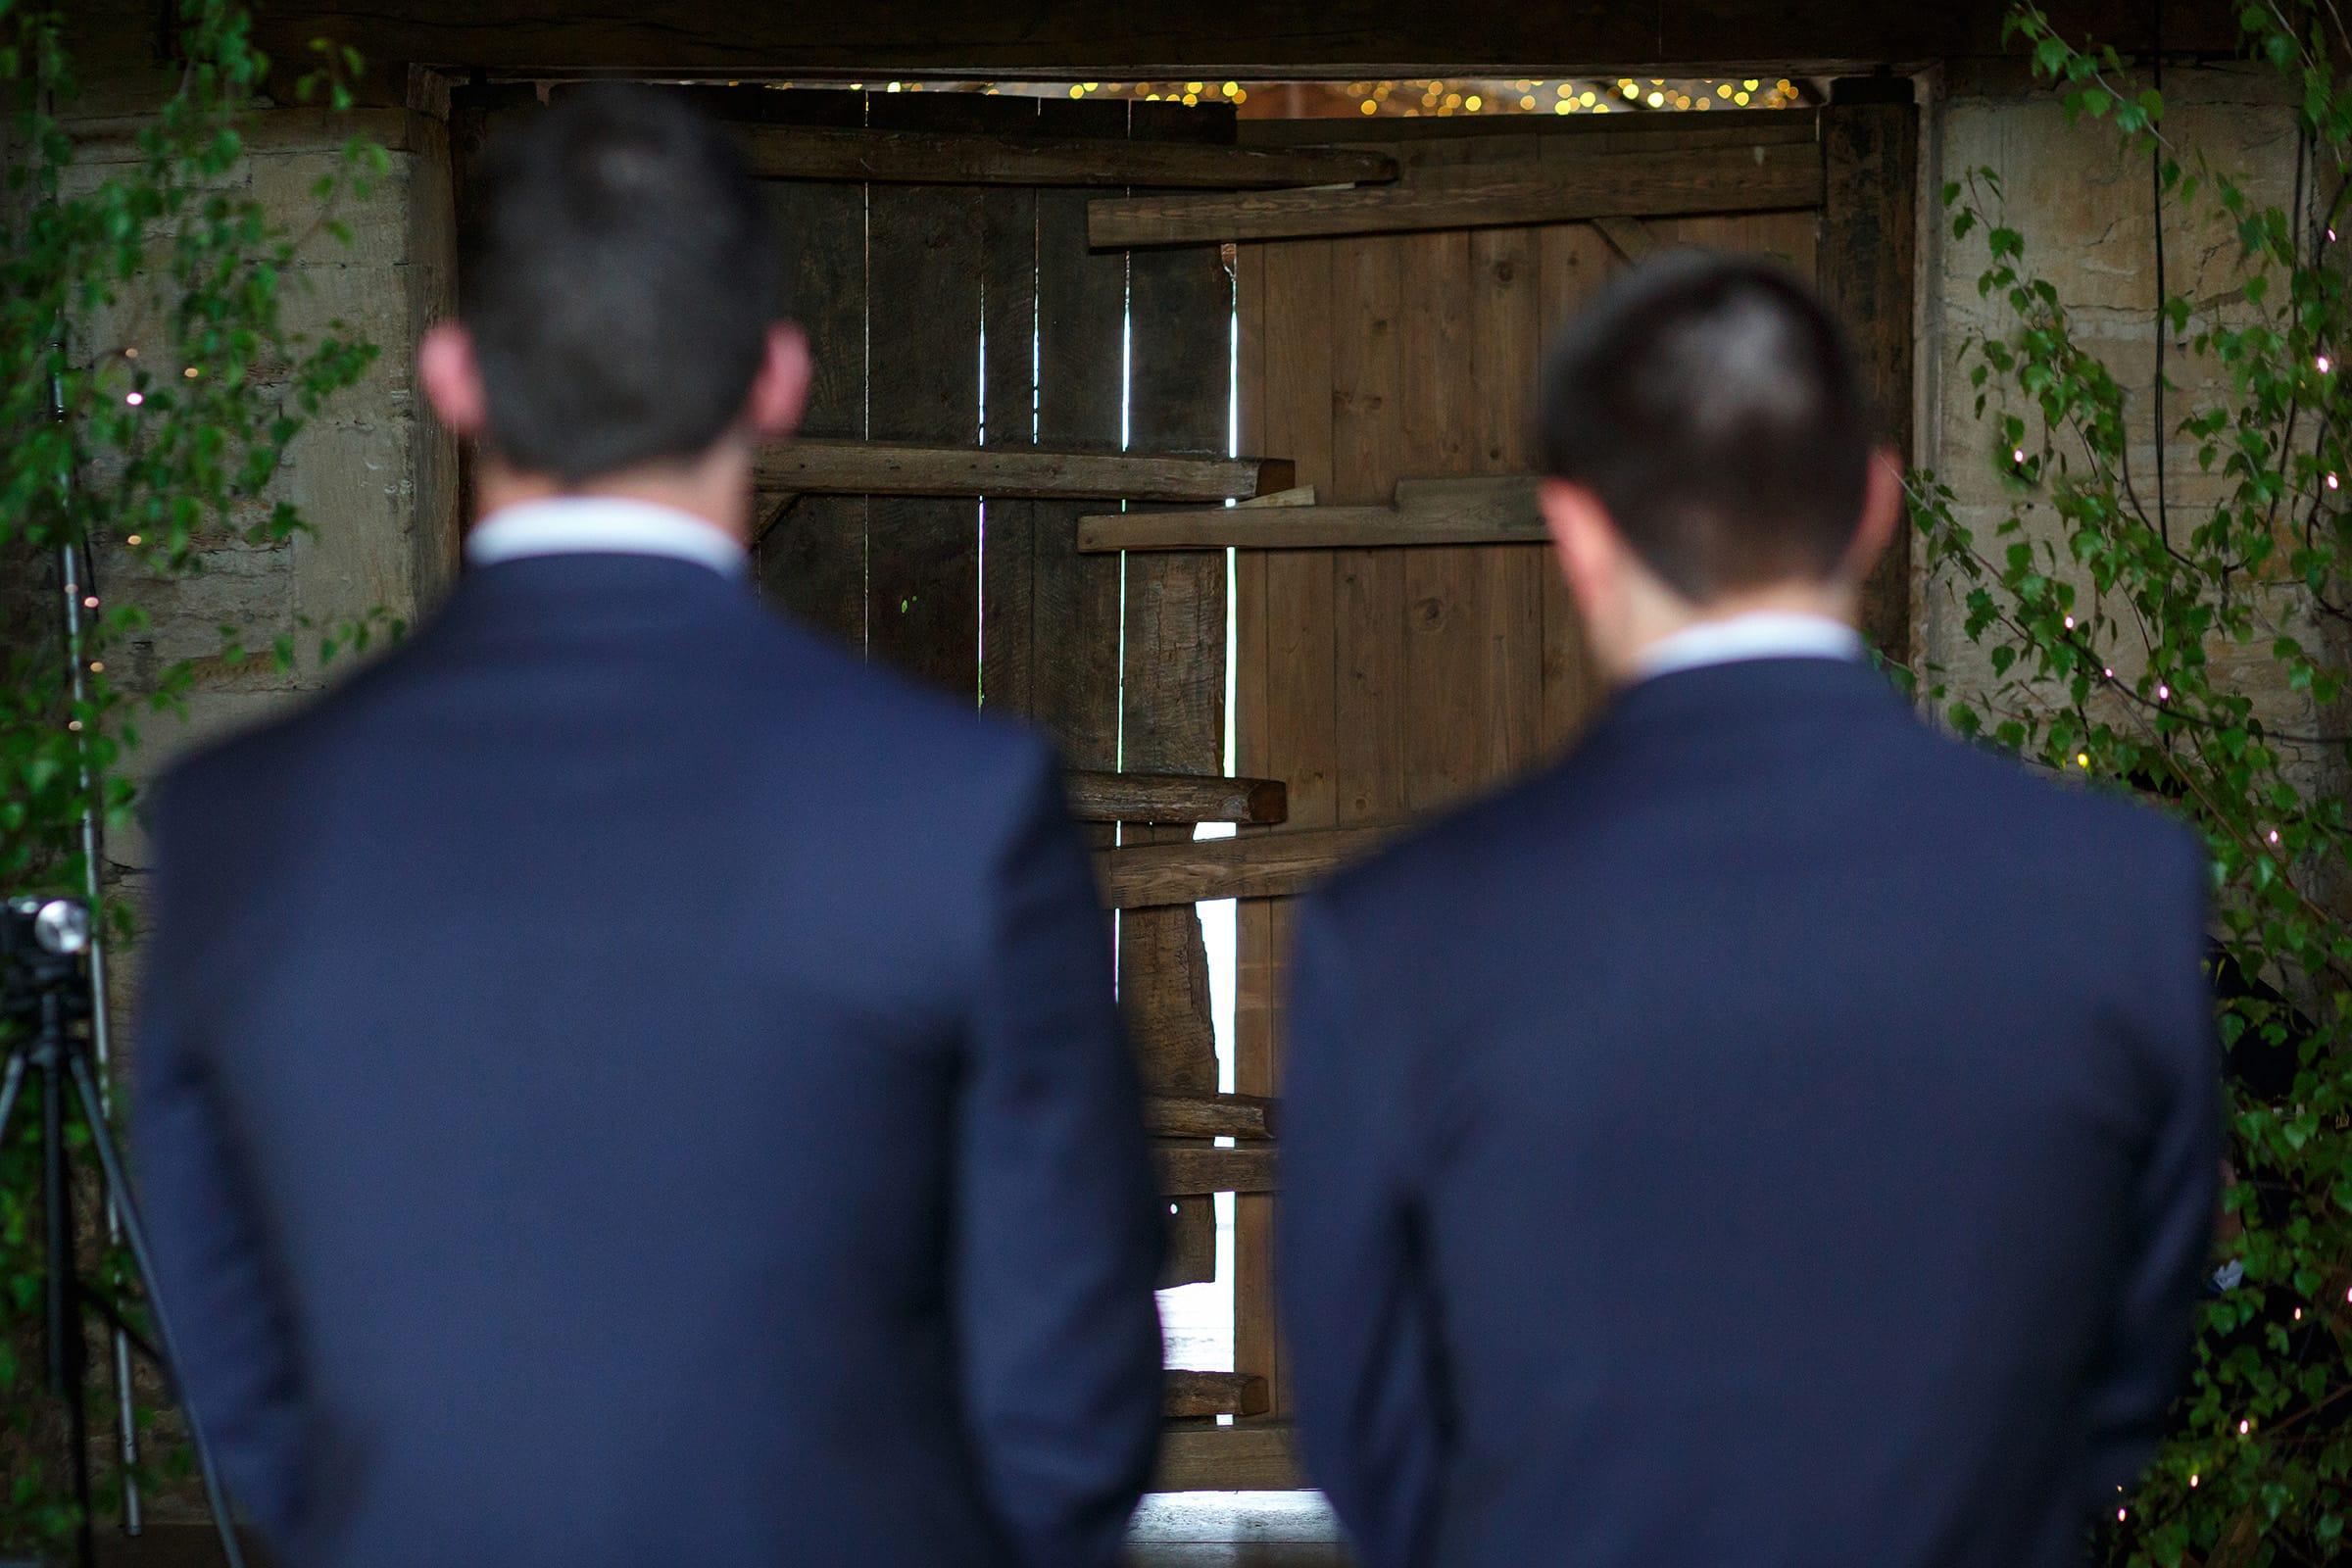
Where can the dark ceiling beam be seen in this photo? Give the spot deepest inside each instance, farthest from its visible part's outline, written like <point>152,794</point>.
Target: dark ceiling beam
<point>1158,39</point>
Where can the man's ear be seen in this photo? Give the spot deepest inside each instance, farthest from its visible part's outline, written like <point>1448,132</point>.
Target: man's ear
<point>1881,513</point>
<point>781,391</point>
<point>452,379</point>
<point>1586,542</point>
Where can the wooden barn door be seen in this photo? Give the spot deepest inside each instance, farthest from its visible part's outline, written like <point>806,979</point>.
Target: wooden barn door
<point>1402,637</point>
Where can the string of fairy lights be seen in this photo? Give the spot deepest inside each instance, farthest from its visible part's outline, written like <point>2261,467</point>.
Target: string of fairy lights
<point>1431,97</point>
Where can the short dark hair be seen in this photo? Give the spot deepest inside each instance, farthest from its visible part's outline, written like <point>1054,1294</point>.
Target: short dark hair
<point>620,278</point>
<point>1712,406</point>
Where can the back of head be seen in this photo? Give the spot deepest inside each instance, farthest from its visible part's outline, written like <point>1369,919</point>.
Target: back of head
<point>1713,408</point>
<point>619,280</point>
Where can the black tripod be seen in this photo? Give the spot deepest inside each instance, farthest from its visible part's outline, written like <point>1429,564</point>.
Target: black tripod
<point>45,995</point>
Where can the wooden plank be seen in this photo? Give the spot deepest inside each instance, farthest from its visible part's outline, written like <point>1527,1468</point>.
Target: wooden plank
<point>932,468</point>
<point>1188,1170</point>
<point>1444,628</point>
<point>1574,263</point>
<point>1629,237</point>
<point>1506,343</point>
<point>1871,155</point>
<point>1008,369</point>
<point>811,559</point>
<point>1198,1394</point>
<point>1287,725</point>
<point>926,255</point>
<point>1071,636</point>
<point>1100,797</point>
<point>1126,40</point>
<point>1209,1115</point>
<point>1469,511</point>
<point>1368,375</point>
<point>1245,1456</point>
<point>1256,866</point>
<point>1764,178</point>
<point>796,152</point>
<point>1173,691</point>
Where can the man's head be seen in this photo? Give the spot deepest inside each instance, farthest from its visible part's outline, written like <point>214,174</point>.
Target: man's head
<point>1707,450</point>
<point>623,327</point>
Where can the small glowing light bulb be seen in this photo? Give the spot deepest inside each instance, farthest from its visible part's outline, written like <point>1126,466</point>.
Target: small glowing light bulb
<point>190,372</point>
<point>2119,1513</point>
<point>130,354</point>
<point>2299,1318</point>
<point>2070,623</point>
<point>90,601</point>
<point>134,399</point>
<point>74,725</point>
<point>2192,1480</point>
<point>2322,362</point>
<point>2331,482</point>
<point>135,541</point>
<point>2018,455</point>
<point>2274,835</point>
<point>2244,1427</point>
<point>2163,692</point>
<point>97,667</point>
<point>2082,758</point>
<point>2109,673</point>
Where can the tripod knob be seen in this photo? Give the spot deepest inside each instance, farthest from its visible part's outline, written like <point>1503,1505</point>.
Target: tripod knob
<point>58,926</point>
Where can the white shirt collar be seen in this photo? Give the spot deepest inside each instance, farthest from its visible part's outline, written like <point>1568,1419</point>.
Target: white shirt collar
<point>1759,634</point>
<point>572,525</point>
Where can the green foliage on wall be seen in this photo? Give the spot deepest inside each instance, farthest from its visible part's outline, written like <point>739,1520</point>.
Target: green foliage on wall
<point>144,452</point>
<point>2184,634</point>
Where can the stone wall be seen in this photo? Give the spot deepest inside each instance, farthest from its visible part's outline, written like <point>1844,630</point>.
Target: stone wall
<point>2085,208</point>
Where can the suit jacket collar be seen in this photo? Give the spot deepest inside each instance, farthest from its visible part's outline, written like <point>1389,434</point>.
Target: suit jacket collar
<point>1748,695</point>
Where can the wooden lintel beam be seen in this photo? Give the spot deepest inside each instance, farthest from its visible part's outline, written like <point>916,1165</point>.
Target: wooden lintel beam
<point>1245,1456</point>
<point>1193,1172</point>
<point>1497,510</point>
<point>1249,1116</point>
<point>1259,865</point>
<point>1766,177</point>
<point>796,152</point>
<point>1199,1394</point>
<point>1100,797</point>
<point>908,469</point>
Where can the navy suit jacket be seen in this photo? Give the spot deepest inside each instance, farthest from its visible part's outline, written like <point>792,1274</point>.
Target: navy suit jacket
<point>1775,1135</point>
<point>622,1082</point>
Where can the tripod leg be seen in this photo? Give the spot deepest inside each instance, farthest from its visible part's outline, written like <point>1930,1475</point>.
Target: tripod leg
<point>10,1082</point>
<point>61,1314</point>
<point>134,1232</point>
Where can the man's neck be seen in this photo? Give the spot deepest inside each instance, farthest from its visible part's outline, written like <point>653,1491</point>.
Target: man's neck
<point>1661,618</point>
<point>721,500</point>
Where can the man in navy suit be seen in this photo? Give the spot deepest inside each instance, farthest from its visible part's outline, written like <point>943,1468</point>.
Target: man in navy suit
<point>623,1082</point>
<point>1774,1134</point>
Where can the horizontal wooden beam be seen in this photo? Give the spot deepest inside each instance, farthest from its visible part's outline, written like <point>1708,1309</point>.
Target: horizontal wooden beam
<point>1258,865</point>
<point>1128,40</point>
<point>1245,1456</point>
<point>1208,1116</point>
<point>906,468</point>
<point>795,152</point>
<point>1097,797</point>
<point>1497,511</point>
<point>1193,1172</point>
<point>1768,176</point>
<point>1199,1394</point>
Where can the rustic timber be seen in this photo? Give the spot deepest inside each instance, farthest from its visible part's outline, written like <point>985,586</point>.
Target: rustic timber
<point>1199,1394</point>
<point>1627,236</point>
<point>1132,39</point>
<point>1767,177</point>
<point>1247,1457</point>
<point>807,152</point>
<point>1473,511</point>
<point>1188,1171</point>
<point>1256,866</point>
<point>1870,150</point>
<point>1209,1115</point>
<point>1099,797</point>
<point>915,468</point>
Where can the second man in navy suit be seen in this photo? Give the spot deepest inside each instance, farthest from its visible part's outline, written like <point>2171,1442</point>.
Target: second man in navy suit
<point>1775,1135</point>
